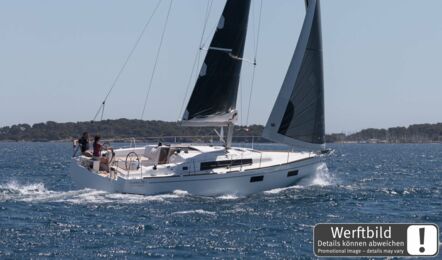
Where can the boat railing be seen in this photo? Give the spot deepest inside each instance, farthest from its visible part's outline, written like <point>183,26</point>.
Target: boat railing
<point>133,141</point>
<point>240,166</point>
<point>245,141</point>
<point>260,159</point>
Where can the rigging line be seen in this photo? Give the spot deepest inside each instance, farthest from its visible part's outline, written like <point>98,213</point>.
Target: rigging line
<point>201,44</point>
<point>241,86</point>
<point>98,112</point>
<point>210,35</point>
<point>205,42</point>
<point>140,36</point>
<point>254,64</point>
<point>102,112</point>
<point>208,11</point>
<point>197,56</point>
<point>250,95</point>
<point>259,29</point>
<point>156,59</point>
<point>254,25</point>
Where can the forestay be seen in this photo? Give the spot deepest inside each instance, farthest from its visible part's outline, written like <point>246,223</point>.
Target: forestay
<point>297,118</point>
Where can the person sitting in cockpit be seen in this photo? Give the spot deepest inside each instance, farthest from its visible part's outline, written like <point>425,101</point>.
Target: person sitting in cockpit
<point>103,158</point>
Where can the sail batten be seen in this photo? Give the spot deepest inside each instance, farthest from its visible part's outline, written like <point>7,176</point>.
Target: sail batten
<point>298,115</point>
<point>213,100</point>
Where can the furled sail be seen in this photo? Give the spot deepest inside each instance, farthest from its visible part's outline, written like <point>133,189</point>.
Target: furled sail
<point>298,115</point>
<point>213,99</point>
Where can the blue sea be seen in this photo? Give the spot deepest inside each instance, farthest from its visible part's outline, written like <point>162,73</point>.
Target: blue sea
<point>43,215</point>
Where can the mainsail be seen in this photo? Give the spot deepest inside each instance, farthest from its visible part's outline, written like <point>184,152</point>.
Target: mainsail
<point>298,115</point>
<point>213,99</point>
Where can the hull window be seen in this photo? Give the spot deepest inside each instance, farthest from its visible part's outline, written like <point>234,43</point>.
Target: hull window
<point>226,163</point>
<point>292,173</point>
<point>256,178</point>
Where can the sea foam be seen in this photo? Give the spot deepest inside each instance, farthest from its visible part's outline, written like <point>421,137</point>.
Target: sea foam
<point>38,193</point>
<point>321,177</point>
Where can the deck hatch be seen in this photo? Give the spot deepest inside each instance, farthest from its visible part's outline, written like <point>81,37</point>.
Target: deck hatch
<point>292,173</point>
<point>256,178</point>
<point>225,163</point>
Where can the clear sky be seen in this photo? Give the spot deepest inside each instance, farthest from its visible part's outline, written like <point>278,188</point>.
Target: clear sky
<point>382,59</point>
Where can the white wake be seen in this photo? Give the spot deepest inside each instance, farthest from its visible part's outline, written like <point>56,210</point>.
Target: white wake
<point>37,192</point>
<point>196,211</point>
<point>322,177</point>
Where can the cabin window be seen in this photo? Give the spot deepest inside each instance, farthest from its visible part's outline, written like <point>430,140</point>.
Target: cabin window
<point>256,178</point>
<point>185,168</point>
<point>225,163</point>
<point>292,173</point>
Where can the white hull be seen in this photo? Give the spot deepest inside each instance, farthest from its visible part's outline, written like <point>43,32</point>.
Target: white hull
<point>238,182</point>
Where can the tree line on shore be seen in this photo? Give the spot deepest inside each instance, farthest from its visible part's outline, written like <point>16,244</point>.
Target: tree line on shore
<point>418,133</point>
<point>123,129</point>
<point>118,129</point>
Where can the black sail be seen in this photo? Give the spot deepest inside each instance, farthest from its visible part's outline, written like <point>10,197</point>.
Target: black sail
<point>298,115</point>
<point>213,100</point>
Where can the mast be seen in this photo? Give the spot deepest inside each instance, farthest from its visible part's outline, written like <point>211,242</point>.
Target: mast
<point>213,100</point>
<point>297,117</point>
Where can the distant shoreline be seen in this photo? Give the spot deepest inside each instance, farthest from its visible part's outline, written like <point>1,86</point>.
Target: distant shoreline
<point>119,141</point>
<point>125,129</point>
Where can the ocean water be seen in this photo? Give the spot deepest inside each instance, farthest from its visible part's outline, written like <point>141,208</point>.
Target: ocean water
<point>42,214</point>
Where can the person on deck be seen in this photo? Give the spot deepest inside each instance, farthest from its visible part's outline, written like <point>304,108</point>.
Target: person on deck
<point>83,142</point>
<point>104,160</point>
<point>97,147</point>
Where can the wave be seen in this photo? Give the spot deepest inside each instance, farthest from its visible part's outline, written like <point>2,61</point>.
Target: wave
<point>38,193</point>
<point>228,197</point>
<point>196,211</point>
<point>322,177</point>
<point>279,190</point>
<point>406,191</point>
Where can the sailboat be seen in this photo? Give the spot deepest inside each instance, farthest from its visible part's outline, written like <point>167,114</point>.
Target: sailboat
<point>297,120</point>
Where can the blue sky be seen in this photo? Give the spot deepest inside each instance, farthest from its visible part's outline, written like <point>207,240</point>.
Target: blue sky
<point>382,59</point>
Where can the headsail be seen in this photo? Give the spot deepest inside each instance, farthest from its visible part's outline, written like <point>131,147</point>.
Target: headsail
<point>298,115</point>
<point>213,99</point>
